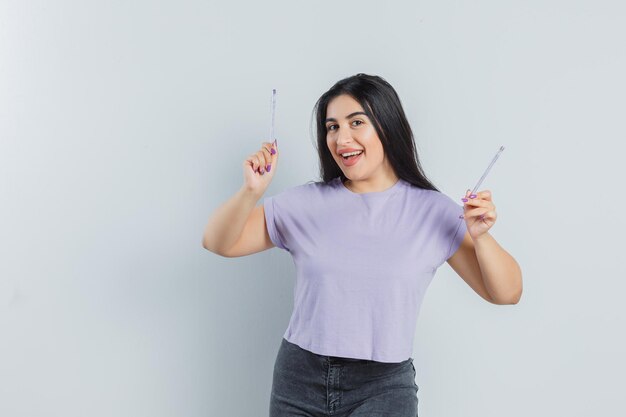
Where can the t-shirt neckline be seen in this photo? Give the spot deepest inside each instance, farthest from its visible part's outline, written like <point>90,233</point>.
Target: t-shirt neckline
<point>371,193</point>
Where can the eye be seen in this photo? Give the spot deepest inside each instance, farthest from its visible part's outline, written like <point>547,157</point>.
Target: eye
<point>330,127</point>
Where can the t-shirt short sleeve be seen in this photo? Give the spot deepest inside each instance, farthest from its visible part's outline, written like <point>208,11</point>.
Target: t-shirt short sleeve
<point>278,209</point>
<point>453,228</point>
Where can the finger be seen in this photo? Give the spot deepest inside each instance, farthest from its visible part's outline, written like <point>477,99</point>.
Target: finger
<point>251,160</point>
<point>265,157</point>
<point>466,196</point>
<point>491,215</point>
<point>474,202</point>
<point>255,162</point>
<point>270,148</point>
<point>268,158</point>
<point>485,195</point>
<point>476,212</point>
<point>273,157</point>
<point>481,194</point>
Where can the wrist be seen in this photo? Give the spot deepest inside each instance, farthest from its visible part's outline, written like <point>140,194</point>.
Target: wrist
<point>249,194</point>
<point>478,240</point>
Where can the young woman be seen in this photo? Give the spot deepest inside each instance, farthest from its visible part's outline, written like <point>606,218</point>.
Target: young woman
<point>366,241</point>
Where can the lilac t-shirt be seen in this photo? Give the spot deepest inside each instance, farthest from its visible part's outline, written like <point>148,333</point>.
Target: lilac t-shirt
<point>363,263</point>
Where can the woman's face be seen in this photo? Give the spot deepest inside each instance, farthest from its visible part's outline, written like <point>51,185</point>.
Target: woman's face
<point>349,129</point>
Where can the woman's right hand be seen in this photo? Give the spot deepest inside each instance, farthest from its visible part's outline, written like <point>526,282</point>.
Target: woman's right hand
<point>259,168</point>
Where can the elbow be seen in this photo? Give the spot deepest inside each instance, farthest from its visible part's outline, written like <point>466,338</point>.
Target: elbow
<point>518,294</point>
<point>223,255</point>
<point>511,300</point>
<point>517,297</point>
<point>211,249</point>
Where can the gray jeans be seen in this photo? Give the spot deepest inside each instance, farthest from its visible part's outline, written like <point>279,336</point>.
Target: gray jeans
<point>307,384</point>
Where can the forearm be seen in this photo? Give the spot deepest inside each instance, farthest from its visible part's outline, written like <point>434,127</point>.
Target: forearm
<point>502,275</point>
<point>226,224</point>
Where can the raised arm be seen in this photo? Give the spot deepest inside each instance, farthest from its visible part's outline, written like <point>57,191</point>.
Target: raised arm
<point>237,227</point>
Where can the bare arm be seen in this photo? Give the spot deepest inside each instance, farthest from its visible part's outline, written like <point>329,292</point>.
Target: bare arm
<point>488,269</point>
<point>501,272</point>
<point>237,227</point>
<point>226,224</point>
<point>480,260</point>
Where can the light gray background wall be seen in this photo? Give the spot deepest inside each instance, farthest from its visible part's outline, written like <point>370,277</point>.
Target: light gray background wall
<point>123,125</point>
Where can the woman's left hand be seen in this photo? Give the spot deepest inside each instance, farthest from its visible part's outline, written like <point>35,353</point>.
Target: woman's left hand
<point>479,213</point>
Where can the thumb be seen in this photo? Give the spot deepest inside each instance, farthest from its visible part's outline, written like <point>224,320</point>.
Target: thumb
<point>274,152</point>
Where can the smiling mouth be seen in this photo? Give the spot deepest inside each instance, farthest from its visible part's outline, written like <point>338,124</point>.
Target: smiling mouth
<point>352,156</point>
<point>351,160</point>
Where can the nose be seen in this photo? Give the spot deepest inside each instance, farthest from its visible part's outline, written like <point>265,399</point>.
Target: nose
<point>344,137</point>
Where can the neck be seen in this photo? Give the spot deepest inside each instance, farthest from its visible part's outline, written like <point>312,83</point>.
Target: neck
<point>372,184</point>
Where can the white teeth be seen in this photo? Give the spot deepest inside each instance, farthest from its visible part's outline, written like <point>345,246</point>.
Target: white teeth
<point>351,153</point>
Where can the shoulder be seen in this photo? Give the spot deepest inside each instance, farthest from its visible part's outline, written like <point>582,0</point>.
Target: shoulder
<point>438,203</point>
<point>446,200</point>
<point>443,200</point>
<point>303,193</point>
<point>428,196</point>
<point>312,187</point>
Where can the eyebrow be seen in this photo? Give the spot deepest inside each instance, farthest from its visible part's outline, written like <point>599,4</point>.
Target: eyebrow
<point>331,119</point>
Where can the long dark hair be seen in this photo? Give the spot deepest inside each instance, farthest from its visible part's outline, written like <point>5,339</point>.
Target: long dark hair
<point>382,105</point>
